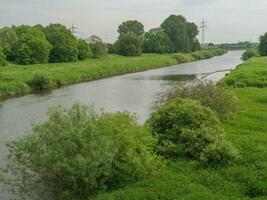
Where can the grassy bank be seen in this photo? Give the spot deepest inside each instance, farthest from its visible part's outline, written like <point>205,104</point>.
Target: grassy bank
<point>19,79</point>
<point>247,179</point>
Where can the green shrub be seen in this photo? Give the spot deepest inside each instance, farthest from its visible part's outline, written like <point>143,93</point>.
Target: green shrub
<point>77,153</point>
<point>98,47</point>
<point>3,61</point>
<point>129,45</point>
<point>198,55</point>
<point>84,50</point>
<point>39,81</point>
<point>185,128</point>
<point>249,54</point>
<point>183,58</point>
<point>221,101</point>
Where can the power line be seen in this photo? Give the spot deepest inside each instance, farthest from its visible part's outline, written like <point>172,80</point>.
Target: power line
<point>73,29</point>
<point>203,26</point>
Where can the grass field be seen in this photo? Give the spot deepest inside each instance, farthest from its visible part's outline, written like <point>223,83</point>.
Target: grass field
<point>15,79</point>
<point>247,130</point>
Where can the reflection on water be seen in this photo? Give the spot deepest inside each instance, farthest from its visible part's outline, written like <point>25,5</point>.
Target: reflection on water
<point>132,92</point>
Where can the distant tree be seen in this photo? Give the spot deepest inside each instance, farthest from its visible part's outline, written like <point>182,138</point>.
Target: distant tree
<point>176,29</point>
<point>131,26</point>
<point>63,42</point>
<point>111,48</point>
<point>31,46</point>
<point>156,41</point>
<point>3,61</point>
<point>192,32</point>
<point>84,50</point>
<point>263,45</point>
<point>129,45</point>
<point>98,47</point>
<point>8,38</point>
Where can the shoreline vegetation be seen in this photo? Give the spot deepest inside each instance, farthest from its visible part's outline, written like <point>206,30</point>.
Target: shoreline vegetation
<point>18,80</point>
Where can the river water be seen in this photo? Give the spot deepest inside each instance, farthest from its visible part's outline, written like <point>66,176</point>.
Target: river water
<point>132,92</point>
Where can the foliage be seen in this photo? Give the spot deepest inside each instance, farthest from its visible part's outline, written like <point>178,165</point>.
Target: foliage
<point>77,153</point>
<point>183,58</point>
<point>84,50</point>
<point>31,46</point>
<point>40,81</point>
<point>111,48</point>
<point>129,45</point>
<point>252,73</point>
<point>249,53</point>
<point>181,33</point>
<point>131,27</point>
<point>156,41</point>
<point>98,47</point>
<point>64,44</point>
<point>188,129</point>
<point>8,38</point>
<point>263,45</point>
<point>3,61</point>
<point>221,101</point>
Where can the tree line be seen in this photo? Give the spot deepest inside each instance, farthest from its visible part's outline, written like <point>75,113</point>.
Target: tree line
<point>56,43</point>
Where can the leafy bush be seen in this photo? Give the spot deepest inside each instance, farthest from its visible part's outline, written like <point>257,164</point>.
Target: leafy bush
<point>129,45</point>
<point>263,45</point>
<point>249,54</point>
<point>8,38</point>
<point>3,61</point>
<point>98,47</point>
<point>111,48</point>
<point>76,153</point>
<point>84,50</point>
<point>183,58</point>
<point>185,128</point>
<point>39,81</point>
<point>221,101</point>
<point>64,44</point>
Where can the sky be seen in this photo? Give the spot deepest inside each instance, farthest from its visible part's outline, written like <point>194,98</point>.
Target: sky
<point>228,20</point>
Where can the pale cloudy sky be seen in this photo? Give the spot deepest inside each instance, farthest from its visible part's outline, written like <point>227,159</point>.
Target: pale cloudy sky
<point>228,20</point>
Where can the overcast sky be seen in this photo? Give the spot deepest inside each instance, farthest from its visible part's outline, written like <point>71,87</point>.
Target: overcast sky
<point>228,20</point>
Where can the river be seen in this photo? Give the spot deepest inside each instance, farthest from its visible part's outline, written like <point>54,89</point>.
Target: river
<point>132,92</point>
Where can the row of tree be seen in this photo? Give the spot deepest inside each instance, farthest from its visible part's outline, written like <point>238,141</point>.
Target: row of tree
<point>53,43</point>
<point>175,34</point>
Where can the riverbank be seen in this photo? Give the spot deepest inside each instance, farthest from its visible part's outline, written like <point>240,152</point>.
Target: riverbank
<point>247,179</point>
<point>19,79</point>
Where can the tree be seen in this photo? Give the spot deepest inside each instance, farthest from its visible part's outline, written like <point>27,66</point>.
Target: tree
<point>181,33</point>
<point>64,44</point>
<point>129,45</point>
<point>31,46</point>
<point>84,50</point>
<point>263,45</point>
<point>98,47</point>
<point>131,26</point>
<point>8,38</point>
<point>156,41</point>
<point>3,61</point>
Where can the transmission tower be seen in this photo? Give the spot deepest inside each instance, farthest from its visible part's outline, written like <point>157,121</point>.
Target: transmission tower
<point>73,29</point>
<point>203,26</point>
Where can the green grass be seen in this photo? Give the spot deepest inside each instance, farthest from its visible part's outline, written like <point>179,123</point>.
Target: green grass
<point>253,73</point>
<point>183,179</point>
<point>16,79</point>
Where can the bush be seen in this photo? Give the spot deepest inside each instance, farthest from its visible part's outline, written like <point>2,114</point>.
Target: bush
<point>183,58</point>
<point>3,61</point>
<point>84,50</point>
<point>64,44</point>
<point>39,81</point>
<point>222,102</point>
<point>185,128</point>
<point>98,47</point>
<point>129,45</point>
<point>76,153</point>
<point>111,48</point>
<point>249,54</point>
